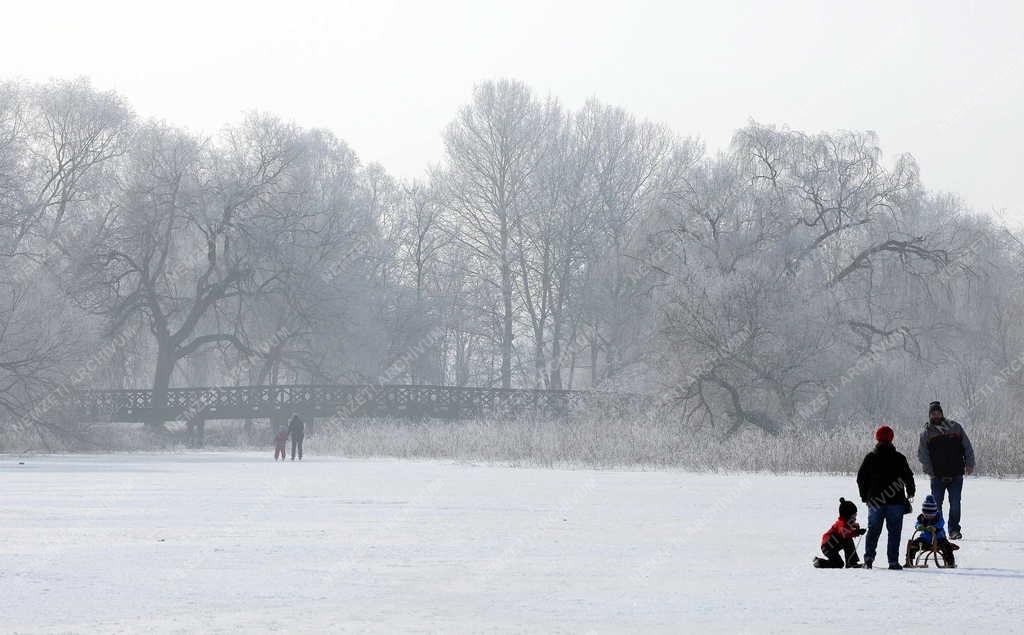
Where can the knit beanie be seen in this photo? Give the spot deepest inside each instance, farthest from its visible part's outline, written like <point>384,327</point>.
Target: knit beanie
<point>885,433</point>
<point>933,406</point>
<point>846,508</point>
<point>929,507</point>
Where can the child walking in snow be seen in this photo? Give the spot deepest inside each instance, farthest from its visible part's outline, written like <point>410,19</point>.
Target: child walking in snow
<point>933,528</point>
<point>280,443</point>
<point>839,538</point>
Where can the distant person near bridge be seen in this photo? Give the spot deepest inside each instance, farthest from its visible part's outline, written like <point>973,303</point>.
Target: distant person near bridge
<point>281,444</point>
<point>296,430</point>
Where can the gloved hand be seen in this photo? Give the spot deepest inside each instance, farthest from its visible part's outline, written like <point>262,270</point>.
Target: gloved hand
<point>861,531</point>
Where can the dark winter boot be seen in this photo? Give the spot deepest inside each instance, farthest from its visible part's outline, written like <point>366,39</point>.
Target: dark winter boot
<point>948,557</point>
<point>867,564</point>
<point>895,566</point>
<point>912,549</point>
<point>956,535</point>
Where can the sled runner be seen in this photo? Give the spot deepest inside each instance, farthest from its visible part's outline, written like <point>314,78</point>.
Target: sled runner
<point>919,553</point>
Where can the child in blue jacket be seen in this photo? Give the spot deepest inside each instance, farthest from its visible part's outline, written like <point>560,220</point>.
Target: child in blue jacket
<point>933,528</point>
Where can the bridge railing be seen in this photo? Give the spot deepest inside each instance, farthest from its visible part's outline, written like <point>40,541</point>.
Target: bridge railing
<point>231,402</point>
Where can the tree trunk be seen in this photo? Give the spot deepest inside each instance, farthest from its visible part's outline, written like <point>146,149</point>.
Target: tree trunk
<point>506,296</point>
<point>165,362</point>
<point>555,380</point>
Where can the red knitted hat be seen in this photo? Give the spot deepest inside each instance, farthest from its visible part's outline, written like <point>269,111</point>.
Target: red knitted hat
<point>885,433</point>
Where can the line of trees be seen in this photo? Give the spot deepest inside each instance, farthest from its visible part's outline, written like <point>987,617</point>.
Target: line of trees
<point>791,279</point>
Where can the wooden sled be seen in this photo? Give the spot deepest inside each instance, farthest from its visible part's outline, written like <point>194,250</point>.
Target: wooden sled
<point>918,555</point>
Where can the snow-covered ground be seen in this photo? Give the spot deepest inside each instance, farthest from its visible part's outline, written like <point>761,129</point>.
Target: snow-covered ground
<point>219,542</point>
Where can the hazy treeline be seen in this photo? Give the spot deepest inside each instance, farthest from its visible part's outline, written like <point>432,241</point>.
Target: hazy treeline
<point>791,280</point>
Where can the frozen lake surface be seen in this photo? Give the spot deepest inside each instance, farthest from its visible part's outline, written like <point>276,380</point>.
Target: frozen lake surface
<point>232,541</point>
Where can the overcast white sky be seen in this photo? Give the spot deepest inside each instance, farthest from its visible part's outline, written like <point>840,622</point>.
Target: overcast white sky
<point>941,80</point>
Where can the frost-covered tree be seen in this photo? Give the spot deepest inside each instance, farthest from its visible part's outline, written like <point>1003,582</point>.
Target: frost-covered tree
<point>493,150</point>
<point>805,269</point>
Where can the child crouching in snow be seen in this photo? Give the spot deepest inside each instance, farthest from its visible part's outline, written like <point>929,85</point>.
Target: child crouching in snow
<point>281,443</point>
<point>839,538</point>
<point>932,527</point>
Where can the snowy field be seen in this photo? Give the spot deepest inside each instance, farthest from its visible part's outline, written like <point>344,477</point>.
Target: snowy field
<point>222,542</point>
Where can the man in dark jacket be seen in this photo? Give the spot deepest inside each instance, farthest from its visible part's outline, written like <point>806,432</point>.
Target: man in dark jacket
<point>886,484</point>
<point>296,430</point>
<point>946,454</point>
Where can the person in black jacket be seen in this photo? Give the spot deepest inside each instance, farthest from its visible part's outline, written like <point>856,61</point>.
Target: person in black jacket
<point>296,430</point>
<point>946,454</point>
<point>886,484</point>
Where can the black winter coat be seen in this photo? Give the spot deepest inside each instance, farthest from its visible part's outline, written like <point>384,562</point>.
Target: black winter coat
<point>296,428</point>
<point>885,477</point>
<point>945,449</point>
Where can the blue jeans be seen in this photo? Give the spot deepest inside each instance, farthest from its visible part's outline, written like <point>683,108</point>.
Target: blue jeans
<point>955,487</point>
<point>893,517</point>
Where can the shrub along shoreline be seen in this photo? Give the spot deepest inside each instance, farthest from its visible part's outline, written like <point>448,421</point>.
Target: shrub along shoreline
<point>647,441</point>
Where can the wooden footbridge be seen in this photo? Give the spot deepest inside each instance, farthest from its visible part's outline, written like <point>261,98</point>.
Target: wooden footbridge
<point>195,406</point>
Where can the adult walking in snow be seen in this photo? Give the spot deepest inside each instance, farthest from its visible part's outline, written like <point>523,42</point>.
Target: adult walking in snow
<point>886,484</point>
<point>946,454</point>
<point>296,430</point>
